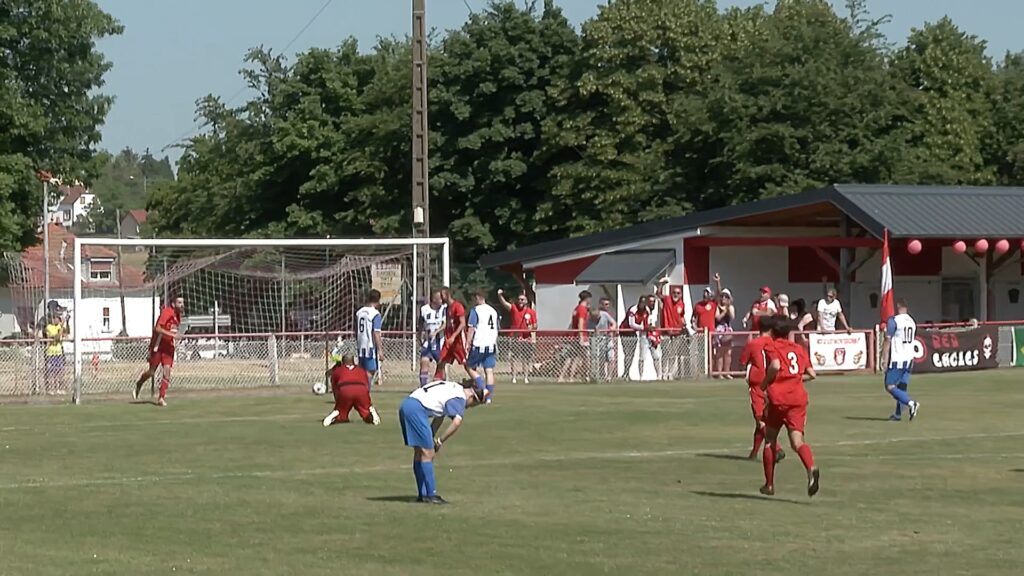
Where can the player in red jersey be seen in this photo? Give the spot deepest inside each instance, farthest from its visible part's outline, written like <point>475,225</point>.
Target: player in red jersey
<point>351,387</point>
<point>754,360</point>
<point>161,348</point>
<point>788,367</point>
<point>453,350</point>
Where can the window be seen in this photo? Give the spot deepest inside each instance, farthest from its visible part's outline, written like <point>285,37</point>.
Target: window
<point>67,215</point>
<point>100,276</point>
<point>106,319</point>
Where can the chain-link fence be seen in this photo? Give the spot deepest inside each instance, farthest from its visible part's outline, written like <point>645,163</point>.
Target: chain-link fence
<point>205,362</point>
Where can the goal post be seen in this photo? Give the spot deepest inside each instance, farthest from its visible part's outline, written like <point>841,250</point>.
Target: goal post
<point>261,311</point>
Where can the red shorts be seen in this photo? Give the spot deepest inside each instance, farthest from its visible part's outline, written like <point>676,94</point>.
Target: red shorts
<point>757,402</point>
<point>161,358</point>
<point>352,396</point>
<point>456,354</point>
<point>794,418</point>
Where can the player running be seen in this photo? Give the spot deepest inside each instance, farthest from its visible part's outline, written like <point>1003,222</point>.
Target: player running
<point>788,367</point>
<point>453,351</point>
<point>351,387</point>
<point>898,358</point>
<point>483,337</point>
<point>368,338</point>
<point>161,349</point>
<point>431,329</point>
<point>754,360</point>
<point>435,400</point>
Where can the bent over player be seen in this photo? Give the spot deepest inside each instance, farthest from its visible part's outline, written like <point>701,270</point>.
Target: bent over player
<point>435,400</point>
<point>788,366</point>
<point>755,362</point>
<point>351,387</point>
<point>161,349</point>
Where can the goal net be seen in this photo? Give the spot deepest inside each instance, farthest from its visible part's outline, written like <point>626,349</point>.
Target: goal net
<point>257,312</point>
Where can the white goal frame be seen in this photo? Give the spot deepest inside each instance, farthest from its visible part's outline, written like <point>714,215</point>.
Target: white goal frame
<point>444,243</point>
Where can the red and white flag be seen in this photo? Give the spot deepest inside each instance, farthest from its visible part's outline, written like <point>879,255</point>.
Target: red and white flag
<point>886,304</point>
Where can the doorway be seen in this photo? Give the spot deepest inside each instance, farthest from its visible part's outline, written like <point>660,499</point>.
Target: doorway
<point>959,300</point>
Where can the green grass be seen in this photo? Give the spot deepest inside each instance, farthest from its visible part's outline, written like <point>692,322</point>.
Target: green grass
<point>609,479</point>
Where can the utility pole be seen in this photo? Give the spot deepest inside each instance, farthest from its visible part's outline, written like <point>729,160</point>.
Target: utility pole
<point>120,279</point>
<point>46,241</point>
<point>420,137</point>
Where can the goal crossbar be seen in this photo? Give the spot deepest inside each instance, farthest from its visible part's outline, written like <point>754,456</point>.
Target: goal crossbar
<point>79,243</point>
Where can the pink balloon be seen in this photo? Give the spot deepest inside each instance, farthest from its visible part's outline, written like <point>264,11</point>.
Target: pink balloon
<point>981,246</point>
<point>1002,247</point>
<point>959,247</point>
<point>914,246</point>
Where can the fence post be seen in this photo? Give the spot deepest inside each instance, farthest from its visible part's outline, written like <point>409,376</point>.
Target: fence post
<point>707,351</point>
<point>275,374</point>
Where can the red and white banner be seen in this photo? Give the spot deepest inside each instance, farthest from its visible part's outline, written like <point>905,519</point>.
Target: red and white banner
<point>838,351</point>
<point>886,304</point>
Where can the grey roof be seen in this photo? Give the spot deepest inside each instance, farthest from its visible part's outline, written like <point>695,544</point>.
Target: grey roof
<point>627,267</point>
<point>906,211</point>
<point>941,211</point>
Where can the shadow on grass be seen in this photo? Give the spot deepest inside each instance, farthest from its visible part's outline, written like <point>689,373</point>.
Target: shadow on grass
<point>866,418</point>
<point>744,496</point>
<point>400,499</point>
<point>145,402</point>
<point>1017,470</point>
<point>736,457</point>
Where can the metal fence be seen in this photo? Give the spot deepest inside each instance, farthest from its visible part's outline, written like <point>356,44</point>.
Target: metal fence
<point>204,362</point>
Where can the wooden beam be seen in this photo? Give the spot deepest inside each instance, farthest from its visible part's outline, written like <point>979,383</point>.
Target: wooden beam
<point>828,259</point>
<point>998,263</point>
<point>806,241</point>
<point>863,260</point>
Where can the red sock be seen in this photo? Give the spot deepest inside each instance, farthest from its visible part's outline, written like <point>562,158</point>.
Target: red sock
<point>758,439</point>
<point>768,459</point>
<point>164,383</point>
<point>806,456</point>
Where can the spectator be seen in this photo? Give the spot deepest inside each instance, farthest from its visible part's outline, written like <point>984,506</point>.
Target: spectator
<point>523,331</point>
<point>705,311</point>
<point>673,326</point>
<point>631,330</point>
<point>830,310</point>
<point>602,324</point>
<point>722,342</point>
<point>579,339</point>
<point>782,305</point>
<point>799,314</point>
<point>646,327</point>
<point>764,306</point>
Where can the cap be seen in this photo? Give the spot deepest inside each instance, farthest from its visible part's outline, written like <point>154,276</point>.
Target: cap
<point>727,292</point>
<point>766,290</point>
<point>708,290</point>
<point>783,300</point>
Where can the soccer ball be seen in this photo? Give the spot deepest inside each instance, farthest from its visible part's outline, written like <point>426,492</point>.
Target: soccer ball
<point>319,388</point>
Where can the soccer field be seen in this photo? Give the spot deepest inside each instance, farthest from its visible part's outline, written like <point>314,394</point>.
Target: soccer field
<point>575,479</point>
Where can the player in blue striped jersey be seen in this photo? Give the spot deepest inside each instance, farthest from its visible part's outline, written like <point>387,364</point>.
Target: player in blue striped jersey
<point>483,338</point>
<point>431,327</point>
<point>898,358</point>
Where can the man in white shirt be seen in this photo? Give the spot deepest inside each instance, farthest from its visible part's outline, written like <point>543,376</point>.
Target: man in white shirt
<point>368,338</point>
<point>898,358</point>
<point>830,310</point>
<point>434,401</point>
<point>431,331</point>
<point>483,338</point>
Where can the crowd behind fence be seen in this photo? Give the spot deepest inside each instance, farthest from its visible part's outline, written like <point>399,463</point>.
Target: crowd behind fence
<point>249,361</point>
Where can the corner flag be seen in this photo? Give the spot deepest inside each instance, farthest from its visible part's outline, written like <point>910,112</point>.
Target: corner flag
<point>886,306</point>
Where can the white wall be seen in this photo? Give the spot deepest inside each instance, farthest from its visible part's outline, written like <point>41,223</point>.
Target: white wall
<point>139,316</point>
<point>555,304</point>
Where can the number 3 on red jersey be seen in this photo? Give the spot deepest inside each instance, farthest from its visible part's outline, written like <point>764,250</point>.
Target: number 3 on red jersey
<point>794,363</point>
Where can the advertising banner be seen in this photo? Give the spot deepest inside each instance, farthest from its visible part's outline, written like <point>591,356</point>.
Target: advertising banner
<point>956,351</point>
<point>838,351</point>
<point>1018,347</point>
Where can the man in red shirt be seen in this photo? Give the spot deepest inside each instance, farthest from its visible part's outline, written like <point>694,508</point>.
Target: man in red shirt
<point>765,306</point>
<point>673,326</point>
<point>161,349</point>
<point>788,367</point>
<point>580,343</point>
<point>351,387</point>
<point>522,329</point>
<point>453,350</point>
<point>754,360</point>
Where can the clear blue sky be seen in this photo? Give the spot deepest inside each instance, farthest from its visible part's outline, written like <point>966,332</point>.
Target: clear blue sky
<point>172,53</point>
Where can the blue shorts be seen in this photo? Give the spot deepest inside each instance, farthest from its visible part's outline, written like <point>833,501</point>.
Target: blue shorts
<point>368,364</point>
<point>897,376</point>
<point>486,358</point>
<point>415,424</point>
<point>432,350</point>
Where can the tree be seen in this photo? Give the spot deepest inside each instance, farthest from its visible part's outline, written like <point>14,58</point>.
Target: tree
<point>489,102</point>
<point>950,83</point>
<point>1007,150</point>
<point>50,105</point>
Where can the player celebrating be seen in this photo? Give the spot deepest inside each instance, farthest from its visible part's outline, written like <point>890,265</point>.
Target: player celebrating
<point>898,358</point>
<point>350,385</point>
<point>483,337</point>
<point>368,338</point>
<point>435,400</point>
<point>787,405</point>
<point>754,359</point>
<point>431,326</point>
<point>523,328</point>
<point>453,351</point>
<point>161,349</point>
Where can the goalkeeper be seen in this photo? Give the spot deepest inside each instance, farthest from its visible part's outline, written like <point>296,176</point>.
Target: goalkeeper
<point>161,349</point>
